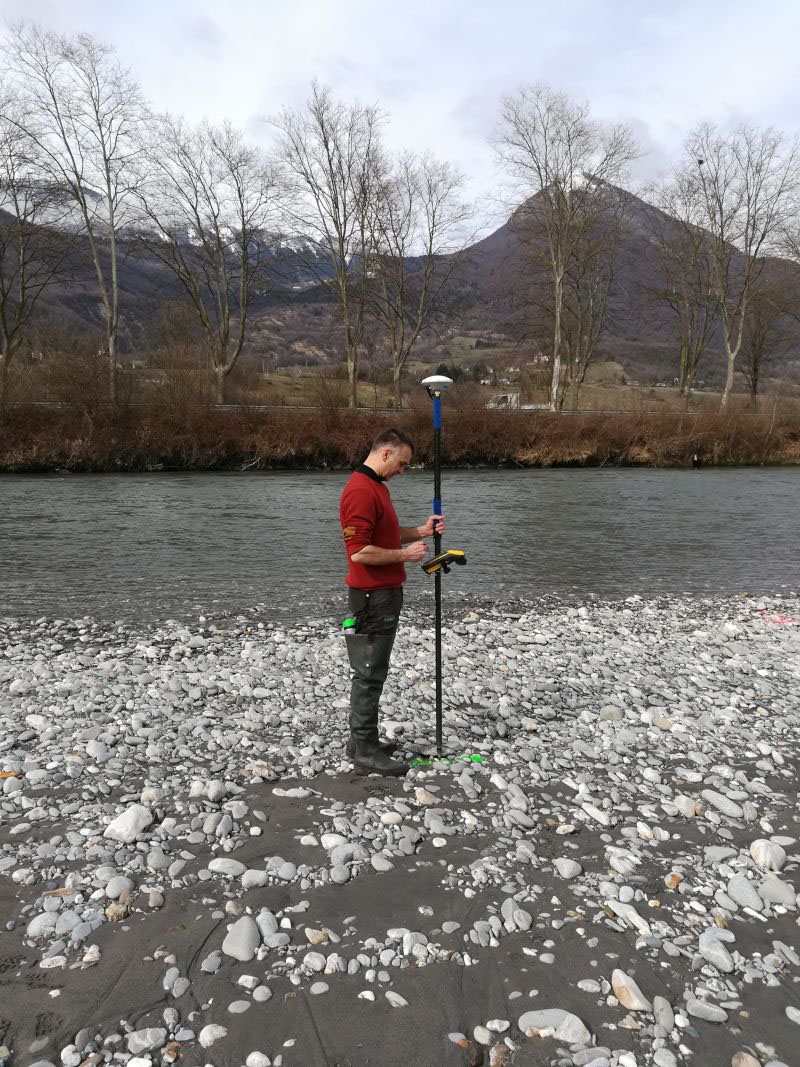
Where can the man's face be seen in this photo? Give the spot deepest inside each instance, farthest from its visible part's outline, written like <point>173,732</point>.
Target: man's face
<point>395,460</point>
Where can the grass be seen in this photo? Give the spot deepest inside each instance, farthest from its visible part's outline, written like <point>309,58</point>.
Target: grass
<point>196,437</point>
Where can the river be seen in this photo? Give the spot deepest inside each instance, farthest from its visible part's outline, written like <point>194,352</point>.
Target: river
<point>146,547</point>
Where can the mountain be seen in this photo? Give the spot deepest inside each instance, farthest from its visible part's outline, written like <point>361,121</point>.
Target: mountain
<point>293,318</point>
<point>498,293</point>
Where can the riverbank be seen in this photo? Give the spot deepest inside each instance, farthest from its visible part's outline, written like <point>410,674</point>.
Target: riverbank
<point>41,440</point>
<point>189,871</point>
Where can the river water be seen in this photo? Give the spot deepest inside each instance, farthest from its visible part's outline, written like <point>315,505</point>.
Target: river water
<point>146,547</point>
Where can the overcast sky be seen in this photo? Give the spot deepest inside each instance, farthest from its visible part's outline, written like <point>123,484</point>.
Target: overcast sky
<point>439,67</point>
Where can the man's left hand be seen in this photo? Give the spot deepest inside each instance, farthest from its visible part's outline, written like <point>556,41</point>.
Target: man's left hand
<point>427,530</point>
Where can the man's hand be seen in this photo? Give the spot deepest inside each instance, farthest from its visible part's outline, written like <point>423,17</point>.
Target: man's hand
<point>427,530</point>
<point>415,552</point>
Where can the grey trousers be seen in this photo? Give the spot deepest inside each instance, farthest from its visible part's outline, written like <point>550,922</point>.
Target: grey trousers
<point>377,612</point>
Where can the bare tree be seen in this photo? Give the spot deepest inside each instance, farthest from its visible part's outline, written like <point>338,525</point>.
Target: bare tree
<point>416,228</point>
<point>747,182</point>
<point>588,279</point>
<point>559,157</point>
<point>34,251</point>
<point>767,336</point>
<point>83,111</point>
<point>208,203</point>
<point>685,266</point>
<point>790,239</point>
<point>330,151</point>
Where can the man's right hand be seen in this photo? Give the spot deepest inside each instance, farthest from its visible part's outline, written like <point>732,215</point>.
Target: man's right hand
<point>415,552</point>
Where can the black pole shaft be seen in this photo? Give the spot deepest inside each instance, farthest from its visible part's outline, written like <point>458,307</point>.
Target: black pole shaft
<point>437,543</point>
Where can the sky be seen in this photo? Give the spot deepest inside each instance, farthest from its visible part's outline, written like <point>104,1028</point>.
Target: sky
<point>440,68</point>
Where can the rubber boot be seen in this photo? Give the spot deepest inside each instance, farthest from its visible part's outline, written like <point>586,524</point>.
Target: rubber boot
<point>371,759</point>
<point>385,746</point>
<point>369,657</point>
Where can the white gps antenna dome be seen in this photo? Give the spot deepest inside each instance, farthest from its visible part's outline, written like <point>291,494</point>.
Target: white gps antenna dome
<point>437,383</point>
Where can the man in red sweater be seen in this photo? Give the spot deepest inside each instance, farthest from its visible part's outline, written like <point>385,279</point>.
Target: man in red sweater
<point>374,541</point>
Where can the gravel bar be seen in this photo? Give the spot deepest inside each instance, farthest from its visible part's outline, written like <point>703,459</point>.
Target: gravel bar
<point>604,872</point>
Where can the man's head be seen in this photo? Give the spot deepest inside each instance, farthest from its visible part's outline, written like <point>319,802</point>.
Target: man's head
<point>391,452</point>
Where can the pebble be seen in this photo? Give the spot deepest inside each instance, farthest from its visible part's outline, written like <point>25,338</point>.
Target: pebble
<point>227,867</point>
<point>628,992</point>
<point>130,825</point>
<point>701,1009</point>
<point>663,1013</point>
<point>566,1026</point>
<point>768,855</point>
<point>568,868</point>
<point>646,743</point>
<point>742,891</point>
<point>147,1040</point>
<point>242,939</point>
<point>119,885</point>
<point>210,1034</point>
<point>712,948</point>
<point>722,803</point>
<point>382,863</point>
<point>774,890</point>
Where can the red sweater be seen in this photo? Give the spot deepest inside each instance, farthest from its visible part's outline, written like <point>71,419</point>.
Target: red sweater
<point>368,517</point>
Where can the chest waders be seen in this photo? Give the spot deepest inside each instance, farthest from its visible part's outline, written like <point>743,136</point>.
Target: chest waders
<point>369,654</point>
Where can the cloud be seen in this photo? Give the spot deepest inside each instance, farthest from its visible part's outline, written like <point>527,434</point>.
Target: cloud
<point>439,68</point>
<point>203,35</point>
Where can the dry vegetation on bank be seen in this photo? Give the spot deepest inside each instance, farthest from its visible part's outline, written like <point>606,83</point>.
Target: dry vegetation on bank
<point>201,438</point>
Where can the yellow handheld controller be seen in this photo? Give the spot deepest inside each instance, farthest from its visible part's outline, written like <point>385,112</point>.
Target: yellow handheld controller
<point>444,561</point>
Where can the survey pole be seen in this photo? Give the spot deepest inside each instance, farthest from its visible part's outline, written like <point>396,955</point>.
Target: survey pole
<point>436,385</point>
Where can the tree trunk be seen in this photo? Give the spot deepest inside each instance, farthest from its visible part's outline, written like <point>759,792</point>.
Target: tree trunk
<point>683,369</point>
<point>556,378</point>
<point>728,381</point>
<point>219,385</point>
<point>398,391</point>
<point>112,369</point>
<point>576,387</point>
<point>4,364</point>
<point>352,375</point>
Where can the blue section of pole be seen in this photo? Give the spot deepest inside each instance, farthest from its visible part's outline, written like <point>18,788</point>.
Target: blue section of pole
<point>437,548</point>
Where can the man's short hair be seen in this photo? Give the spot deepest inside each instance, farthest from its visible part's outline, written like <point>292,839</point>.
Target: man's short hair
<point>391,438</point>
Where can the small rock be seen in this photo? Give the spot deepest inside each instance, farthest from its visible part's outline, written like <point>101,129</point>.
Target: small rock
<point>628,992</point>
<point>257,1059</point>
<point>130,825</point>
<point>242,939</point>
<point>227,867</point>
<point>566,1026</point>
<point>768,855</point>
<point>568,868</point>
<point>147,1040</point>
<point>701,1009</point>
<point>210,1034</point>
